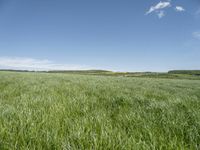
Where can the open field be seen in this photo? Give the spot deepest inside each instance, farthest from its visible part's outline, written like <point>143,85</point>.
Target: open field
<point>72,111</point>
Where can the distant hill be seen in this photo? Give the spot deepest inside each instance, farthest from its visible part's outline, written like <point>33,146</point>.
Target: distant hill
<point>60,71</point>
<point>189,72</point>
<point>78,71</point>
<point>12,70</point>
<point>173,74</point>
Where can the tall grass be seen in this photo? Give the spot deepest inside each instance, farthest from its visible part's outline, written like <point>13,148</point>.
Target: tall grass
<point>58,111</point>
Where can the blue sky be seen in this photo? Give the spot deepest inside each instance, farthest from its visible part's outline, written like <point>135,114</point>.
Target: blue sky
<point>142,35</point>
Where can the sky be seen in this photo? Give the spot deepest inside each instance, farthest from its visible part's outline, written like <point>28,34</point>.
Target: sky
<point>117,35</point>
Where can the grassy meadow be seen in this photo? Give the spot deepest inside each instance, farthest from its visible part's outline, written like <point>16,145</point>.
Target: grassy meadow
<point>72,111</point>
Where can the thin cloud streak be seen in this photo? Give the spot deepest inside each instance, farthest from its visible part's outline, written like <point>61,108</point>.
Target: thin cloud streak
<point>179,8</point>
<point>159,6</point>
<point>36,64</point>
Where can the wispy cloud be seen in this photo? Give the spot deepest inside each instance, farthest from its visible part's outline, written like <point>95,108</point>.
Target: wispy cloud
<point>179,8</point>
<point>36,64</point>
<point>196,35</point>
<point>161,14</point>
<point>159,6</point>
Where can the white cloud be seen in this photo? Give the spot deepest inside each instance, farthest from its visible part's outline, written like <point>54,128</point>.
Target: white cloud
<point>196,34</point>
<point>35,64</point>
<point>161,14</point>
<point>179,8</point>
<point>159,6</point>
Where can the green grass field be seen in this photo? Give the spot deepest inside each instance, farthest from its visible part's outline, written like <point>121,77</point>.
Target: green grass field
<point>66,111</point>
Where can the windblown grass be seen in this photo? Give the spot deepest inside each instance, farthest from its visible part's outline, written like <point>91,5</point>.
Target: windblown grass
<point>59,111</point>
